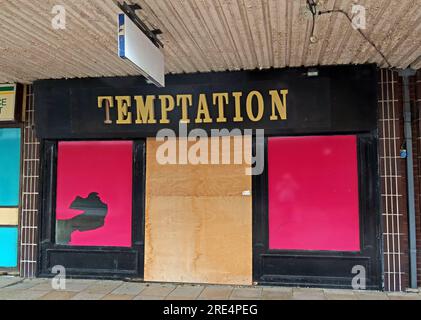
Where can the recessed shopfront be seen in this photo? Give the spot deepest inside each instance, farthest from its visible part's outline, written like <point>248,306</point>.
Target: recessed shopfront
<point>306,214</point>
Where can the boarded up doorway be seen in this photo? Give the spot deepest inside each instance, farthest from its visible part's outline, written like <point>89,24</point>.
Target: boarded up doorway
<point>198,220</point>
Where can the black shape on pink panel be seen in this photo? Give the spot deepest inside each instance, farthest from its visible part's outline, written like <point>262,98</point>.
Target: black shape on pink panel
<point>93,217</point>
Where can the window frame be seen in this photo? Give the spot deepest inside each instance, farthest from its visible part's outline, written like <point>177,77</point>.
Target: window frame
<point>303,267</point>
<point>83,260</point>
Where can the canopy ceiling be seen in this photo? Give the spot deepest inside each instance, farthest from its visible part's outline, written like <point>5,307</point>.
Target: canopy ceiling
<point>203,35</point>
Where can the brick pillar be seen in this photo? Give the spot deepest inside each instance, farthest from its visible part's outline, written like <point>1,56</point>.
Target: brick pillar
<point>29,197</point>
<point>393,181</point>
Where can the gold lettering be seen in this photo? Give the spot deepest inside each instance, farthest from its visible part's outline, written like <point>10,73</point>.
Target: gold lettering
<point>281,106</point>
<point>124,116</point>
<point>220,99</point>
<point>237,98</point>
<point>185,100</point>
<point>145,110</point>
<point>109,103</point>
<point>260,105</point>
<point>146,113</point>
<point>167,105</point>
<point>203,109</point>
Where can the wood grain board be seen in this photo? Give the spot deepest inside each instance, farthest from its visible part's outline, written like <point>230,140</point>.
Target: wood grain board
<point>198,225</point>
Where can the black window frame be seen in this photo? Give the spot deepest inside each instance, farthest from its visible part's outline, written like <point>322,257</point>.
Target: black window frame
<point>313,268</point>
<point>83,261</point>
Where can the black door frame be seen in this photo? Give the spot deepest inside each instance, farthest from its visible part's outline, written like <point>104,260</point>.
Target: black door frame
<point>88,261</point>
<point>323,268</point>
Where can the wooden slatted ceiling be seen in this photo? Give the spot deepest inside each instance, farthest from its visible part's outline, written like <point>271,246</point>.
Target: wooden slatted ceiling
<point>202,35</point>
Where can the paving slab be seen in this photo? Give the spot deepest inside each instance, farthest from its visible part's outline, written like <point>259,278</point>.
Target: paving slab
<point>185,292</point>
<point>26,284</point>
<point>103,287</point>
<point>118,297</point>
<point>372,296</point>
<point>25,294</point>
<point>403,296</point>
<point>43,286</point>
<point>158,290</point>
<point>141,297</point>
<point>308,294</point>
<point>6,281</point>
<point>58,295</point>
<point>276,293</point>
<point>340,294</point>
<point>246,293</point>
<point>215,293</point>
<point>130,288</point>
<point>5,293</point>
<point>88,296</point>
<point>77,286</point>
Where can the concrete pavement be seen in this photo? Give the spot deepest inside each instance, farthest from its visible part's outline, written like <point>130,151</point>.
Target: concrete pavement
<point>14,288</point>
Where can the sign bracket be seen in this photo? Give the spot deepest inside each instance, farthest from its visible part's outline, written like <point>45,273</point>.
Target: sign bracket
<point>130,11</point>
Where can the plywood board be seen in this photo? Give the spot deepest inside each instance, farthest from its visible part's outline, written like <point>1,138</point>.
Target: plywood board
<point>198,224</point>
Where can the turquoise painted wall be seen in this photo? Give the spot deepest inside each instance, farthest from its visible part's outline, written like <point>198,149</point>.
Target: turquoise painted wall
<point>8,247</point>
<point>9,192</point>
<point>9,167</point>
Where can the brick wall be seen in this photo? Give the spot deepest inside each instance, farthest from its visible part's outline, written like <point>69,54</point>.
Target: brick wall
<point>393,181</point>
<point>29,207</point>
<point>396,260</point>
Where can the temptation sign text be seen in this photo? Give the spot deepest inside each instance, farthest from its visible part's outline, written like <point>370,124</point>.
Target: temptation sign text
<point>153,109</point>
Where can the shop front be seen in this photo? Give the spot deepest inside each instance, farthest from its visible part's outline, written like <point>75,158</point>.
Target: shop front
<point>10,165</point>
<point>245,177</point>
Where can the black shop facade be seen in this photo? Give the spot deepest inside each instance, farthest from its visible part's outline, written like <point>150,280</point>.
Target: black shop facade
<point>248,177</point>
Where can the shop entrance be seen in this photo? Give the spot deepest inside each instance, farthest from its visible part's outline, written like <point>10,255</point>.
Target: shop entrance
<point>198,218</point>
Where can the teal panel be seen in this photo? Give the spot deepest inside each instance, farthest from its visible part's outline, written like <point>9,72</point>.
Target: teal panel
<point>8,247</point>
<point>9,166</point>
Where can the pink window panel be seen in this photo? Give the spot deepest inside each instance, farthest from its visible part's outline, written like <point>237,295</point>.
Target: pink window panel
<point>313,193</point>
<point>94,193</point>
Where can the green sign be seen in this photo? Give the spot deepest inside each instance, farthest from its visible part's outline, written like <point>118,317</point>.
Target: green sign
<point>7,102</point>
